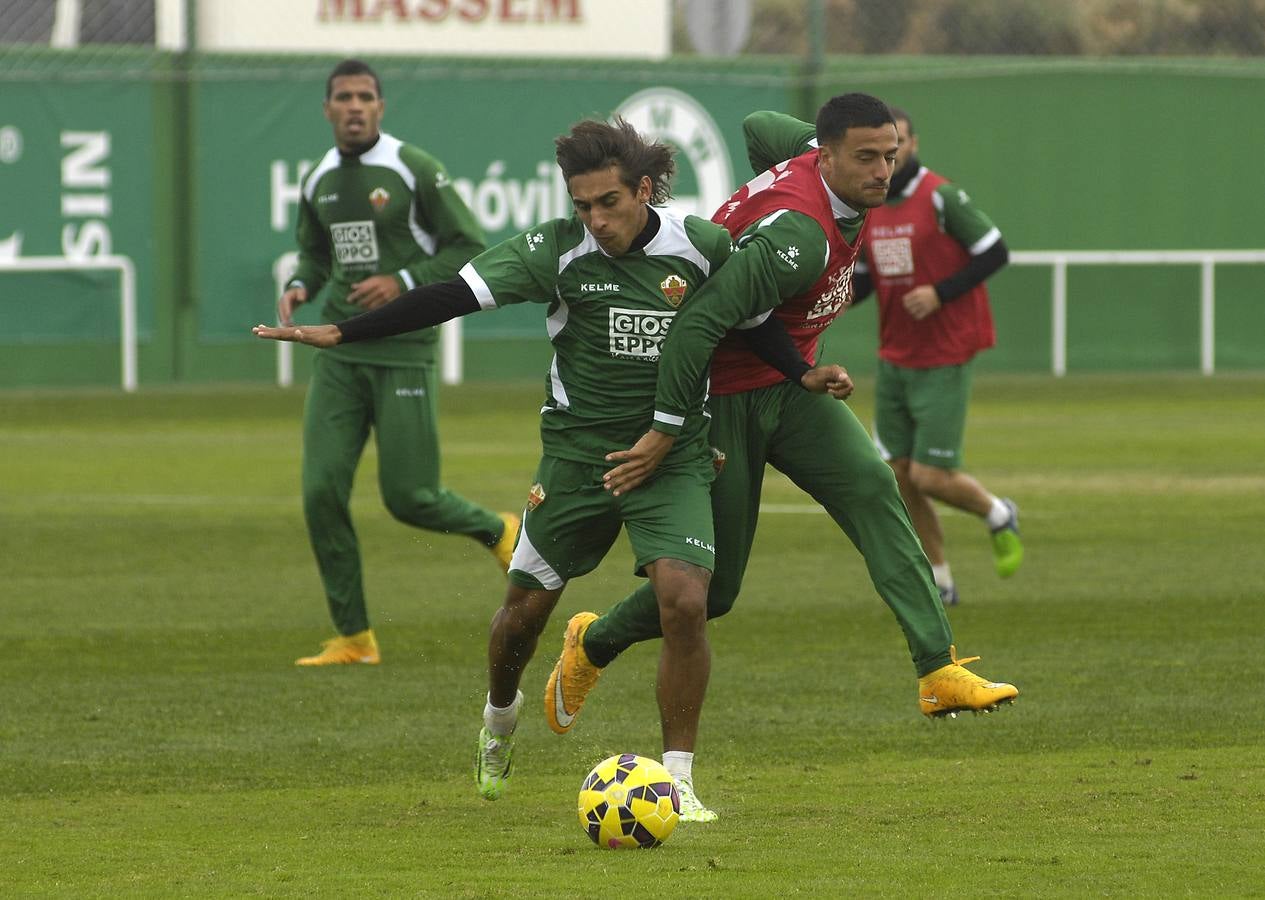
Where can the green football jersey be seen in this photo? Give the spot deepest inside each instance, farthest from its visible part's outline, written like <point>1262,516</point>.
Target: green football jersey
<point>607,317</point>
<point>391,210</point>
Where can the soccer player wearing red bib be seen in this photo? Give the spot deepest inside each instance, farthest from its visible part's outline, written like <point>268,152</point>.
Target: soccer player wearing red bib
<point>928,253</point>
<point>799,226</point>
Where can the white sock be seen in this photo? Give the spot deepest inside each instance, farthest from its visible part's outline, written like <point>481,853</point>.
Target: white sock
<point>998,515</point>
<point>502,721</point>
<point>944,578</point>
<point>679,763</point>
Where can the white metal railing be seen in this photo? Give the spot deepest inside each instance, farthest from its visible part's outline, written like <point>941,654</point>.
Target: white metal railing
<point>1207,260</point>
<point>127,301</point>
<point>451,362</point>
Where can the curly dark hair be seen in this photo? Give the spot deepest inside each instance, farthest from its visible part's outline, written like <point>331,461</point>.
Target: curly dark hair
<point>592,145</point>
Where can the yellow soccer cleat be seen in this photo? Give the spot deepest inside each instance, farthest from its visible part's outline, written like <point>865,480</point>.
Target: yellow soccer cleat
<point>951,689</point>
<point>345,649</point>
<point>572,678</point>
<point>503,549</point>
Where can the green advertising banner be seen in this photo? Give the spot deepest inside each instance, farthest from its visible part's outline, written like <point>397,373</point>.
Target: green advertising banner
<point>255,139</point>
<point>76,178</point>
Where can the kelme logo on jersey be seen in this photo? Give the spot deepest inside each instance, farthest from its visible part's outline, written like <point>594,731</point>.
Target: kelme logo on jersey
<point>838,293</point>
<point>670,115</point>
<point>379,198</point>
<point>674,287</point>
<point>535,496</point>
<point>789,255</point>
<point>637,333</point>
<point>355,243</point>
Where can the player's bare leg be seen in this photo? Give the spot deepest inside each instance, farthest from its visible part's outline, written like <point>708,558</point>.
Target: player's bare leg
<point>516,629</point>
<point>684,668</point>
<point>960,490</point>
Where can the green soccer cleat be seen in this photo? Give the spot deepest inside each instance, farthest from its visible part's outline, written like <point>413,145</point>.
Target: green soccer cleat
<point>1007,548</point>
<point>692,809</point>
<point>492,760</point>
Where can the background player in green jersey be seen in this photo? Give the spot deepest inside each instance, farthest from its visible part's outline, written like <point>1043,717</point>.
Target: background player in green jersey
<point>798,226</point>
<point>614,276</point>
<point>927,255</point>
<point>376,216</point>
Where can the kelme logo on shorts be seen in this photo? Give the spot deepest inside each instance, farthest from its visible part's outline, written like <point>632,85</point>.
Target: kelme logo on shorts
<point>355,243</point>
<point>637,333</point>
<point>674,287</point>
<point>535,496</point>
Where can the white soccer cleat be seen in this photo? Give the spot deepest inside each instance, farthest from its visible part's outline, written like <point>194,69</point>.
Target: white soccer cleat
<point>692,809</point>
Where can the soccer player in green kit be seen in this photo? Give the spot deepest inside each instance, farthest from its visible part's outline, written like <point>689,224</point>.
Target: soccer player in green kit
<point>377,216</point>
<point>798,226</point>
<point>614,276</point>
<point>928,251</point>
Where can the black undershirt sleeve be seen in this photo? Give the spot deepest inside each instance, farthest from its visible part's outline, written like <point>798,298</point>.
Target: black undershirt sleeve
<point>420,307</point>
<point>774,346</point>
<point>862,286</point>
<point>974,272</point>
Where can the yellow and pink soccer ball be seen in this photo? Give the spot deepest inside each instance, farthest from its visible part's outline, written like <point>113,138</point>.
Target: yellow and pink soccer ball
<point>629,801</point>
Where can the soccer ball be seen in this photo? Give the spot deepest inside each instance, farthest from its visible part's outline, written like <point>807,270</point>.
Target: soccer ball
<point>629,801</point>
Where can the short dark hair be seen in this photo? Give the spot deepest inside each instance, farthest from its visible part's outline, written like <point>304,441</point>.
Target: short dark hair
<point>845,111</point>
<point>592,145</point>
<point>901,116</point>
<point>351,67</point>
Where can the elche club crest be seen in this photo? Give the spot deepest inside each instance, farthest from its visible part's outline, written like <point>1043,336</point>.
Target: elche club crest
<point>674,287</point>
<point>378,198</point>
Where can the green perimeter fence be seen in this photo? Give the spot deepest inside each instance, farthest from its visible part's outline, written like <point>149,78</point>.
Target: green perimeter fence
<point>186,167</point>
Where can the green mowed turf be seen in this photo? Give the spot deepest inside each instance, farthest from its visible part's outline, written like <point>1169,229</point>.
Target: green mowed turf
<point>156,740</point>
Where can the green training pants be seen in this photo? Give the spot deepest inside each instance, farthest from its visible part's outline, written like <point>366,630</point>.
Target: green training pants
<point>818,443</point>
<point>345,400</point>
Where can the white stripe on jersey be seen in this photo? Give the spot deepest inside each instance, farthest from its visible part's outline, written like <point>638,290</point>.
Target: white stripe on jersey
<point>328,161</point>
<point>672,239</point>
<point>584,248</point>
<point>556,388</point>
<point>668,419</point>
<point>754,321</point>
<point>478,286</point>
<point>992,236</point>
<point>424,238</point>
<point>554,324</point>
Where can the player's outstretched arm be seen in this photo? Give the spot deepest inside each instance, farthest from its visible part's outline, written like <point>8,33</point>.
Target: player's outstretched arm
<point>312,335</point>
<point>421,307</point>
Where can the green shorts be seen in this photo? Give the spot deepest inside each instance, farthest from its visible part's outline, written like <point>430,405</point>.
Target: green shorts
<point>572,521</point>
<point>920,414</point>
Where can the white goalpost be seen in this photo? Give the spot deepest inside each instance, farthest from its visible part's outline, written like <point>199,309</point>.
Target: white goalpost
<point>127,301</point>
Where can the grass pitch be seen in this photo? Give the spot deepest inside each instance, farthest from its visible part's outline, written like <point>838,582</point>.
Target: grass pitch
<point>156,740</point>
